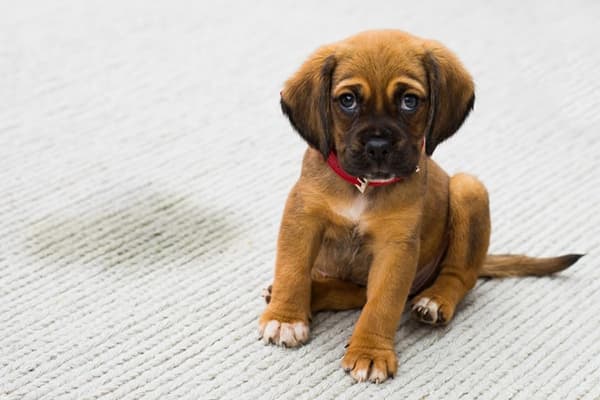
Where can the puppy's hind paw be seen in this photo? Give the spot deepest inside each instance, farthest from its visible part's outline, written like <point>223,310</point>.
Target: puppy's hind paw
<point>431,311</point>
<point>266,294</point>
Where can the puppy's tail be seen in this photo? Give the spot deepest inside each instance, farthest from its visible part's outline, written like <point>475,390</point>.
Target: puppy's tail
<point>505,265</point>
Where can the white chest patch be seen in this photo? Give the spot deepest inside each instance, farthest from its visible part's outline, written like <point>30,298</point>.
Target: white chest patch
<point>354,210</point>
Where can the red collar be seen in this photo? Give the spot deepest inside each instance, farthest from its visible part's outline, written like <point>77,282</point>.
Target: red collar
<point>360,183</point>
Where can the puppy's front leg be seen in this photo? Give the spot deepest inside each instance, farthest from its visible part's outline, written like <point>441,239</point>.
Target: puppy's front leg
<point>285,321</point>
<point>370,354</point>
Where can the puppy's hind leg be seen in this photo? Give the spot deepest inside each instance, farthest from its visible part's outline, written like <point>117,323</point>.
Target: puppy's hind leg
<point>332,294</point>
<point>469,237</point>
<point>335,294</point>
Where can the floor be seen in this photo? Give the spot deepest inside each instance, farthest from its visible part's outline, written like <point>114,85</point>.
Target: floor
<point>145,162</point>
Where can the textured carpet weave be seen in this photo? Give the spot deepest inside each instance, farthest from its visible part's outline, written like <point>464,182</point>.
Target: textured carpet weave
<point>144,166</point>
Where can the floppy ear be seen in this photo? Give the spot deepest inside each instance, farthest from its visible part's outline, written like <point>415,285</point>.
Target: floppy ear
<point>306,100</point>
<point>451,94</point>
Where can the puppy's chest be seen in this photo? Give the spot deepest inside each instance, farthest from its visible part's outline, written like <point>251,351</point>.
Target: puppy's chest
<point>353,212</point>
<point>345,251</point>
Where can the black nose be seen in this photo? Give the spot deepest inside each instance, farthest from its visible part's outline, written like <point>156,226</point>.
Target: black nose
<point>377,149</point>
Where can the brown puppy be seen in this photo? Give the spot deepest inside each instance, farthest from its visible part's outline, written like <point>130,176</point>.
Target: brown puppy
<point>373,108</point>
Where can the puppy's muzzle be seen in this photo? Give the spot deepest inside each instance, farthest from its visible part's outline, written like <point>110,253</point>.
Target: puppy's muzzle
<point>377,150</point>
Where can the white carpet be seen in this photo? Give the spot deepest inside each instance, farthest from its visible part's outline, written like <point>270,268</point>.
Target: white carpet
<point>144,165</point>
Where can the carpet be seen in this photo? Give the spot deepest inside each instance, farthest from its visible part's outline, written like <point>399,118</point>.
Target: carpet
<point>145,163</point>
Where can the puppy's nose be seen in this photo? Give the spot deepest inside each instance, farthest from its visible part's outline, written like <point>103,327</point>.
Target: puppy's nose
<point>377,149</point>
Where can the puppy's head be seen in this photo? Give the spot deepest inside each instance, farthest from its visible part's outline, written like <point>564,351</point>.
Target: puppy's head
<point>374,97</point>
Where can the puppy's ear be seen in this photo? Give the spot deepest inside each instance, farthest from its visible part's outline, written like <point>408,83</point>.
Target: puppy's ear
<point>306,100</point>
<point>451,94</point>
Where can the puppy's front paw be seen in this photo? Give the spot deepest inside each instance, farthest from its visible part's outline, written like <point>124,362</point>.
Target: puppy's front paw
<point>373,364</point>
<point>272,330</point>
<point>432,310</point>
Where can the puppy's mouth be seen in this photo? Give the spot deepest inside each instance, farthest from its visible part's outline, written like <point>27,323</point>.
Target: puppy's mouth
<point>384,163</point>
<point>404,170</point>
<point>379,176</point>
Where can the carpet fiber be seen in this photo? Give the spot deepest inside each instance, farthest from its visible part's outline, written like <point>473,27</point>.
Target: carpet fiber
<point>145,164</point>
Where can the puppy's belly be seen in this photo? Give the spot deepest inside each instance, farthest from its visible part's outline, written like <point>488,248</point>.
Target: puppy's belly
<point>344,254</point>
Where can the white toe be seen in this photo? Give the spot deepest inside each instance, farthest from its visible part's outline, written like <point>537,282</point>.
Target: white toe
<point>431,305</point>
<point>271,332</point>
<point>286,336</point>
<point>377,375</point>
<point>301,332</point>
<point>359,374</point>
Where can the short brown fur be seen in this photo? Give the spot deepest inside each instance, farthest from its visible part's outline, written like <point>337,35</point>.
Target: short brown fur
<point>329,259</point>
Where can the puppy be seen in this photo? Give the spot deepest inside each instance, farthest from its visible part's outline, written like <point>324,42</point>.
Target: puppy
<point>373,221</point>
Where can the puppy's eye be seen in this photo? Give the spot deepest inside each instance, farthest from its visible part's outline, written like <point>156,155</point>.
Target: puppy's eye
<point>409,103</point>
<point>348,102</point>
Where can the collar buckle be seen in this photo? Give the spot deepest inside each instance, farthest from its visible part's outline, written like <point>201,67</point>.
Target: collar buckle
<point>362,184</point>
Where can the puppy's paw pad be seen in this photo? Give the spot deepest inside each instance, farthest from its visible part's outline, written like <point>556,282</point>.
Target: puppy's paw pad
<point>266,294</point>
<point>429,311</point>
<point>283,333</point>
